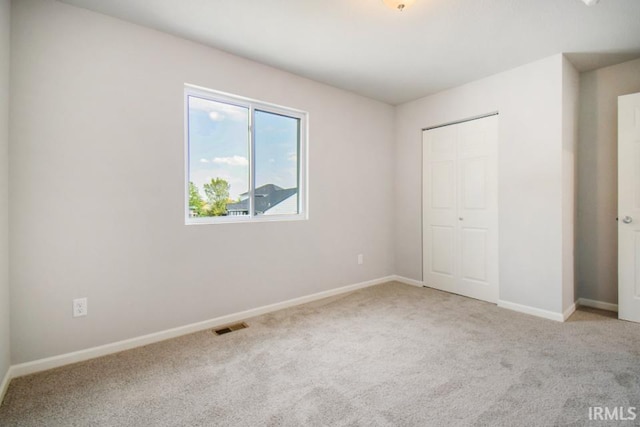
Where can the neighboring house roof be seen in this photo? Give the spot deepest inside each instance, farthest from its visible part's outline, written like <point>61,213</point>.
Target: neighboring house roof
<point>265,189</point>
<point>267,196</point>
<point>286,207</point>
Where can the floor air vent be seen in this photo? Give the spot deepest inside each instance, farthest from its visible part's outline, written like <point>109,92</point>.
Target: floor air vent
<point>231,328</point>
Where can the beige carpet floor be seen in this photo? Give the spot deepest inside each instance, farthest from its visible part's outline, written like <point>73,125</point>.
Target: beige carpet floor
<point>390,355</point>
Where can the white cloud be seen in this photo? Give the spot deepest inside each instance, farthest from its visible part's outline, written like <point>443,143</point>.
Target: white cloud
<point>232,161</point>
<point>219,111</point>
<point>216,116</point>
<point>204,161</point>
<point>292,157</point>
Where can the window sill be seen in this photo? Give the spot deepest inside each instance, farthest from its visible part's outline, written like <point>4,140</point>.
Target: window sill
<point>244,220</point>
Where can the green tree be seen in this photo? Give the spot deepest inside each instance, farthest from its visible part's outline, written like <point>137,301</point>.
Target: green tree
<point>217,192</point>
<point>196,203</point>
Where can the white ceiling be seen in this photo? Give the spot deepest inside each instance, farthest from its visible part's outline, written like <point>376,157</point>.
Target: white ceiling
<point>365,47</point>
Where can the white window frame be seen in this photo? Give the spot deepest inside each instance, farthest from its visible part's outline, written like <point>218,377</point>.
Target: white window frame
<point>251,105</point>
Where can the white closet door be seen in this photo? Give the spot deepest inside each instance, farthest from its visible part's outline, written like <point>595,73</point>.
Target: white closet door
<point>629,207</point>
<point>460,208</point>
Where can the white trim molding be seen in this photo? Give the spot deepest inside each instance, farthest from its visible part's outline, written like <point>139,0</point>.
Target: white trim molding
<point>568,312</point>
<point>407,281</point>
<point>545,314</point>
<point>27,368</point>
<point>597,304</point>
<point>4,386</point>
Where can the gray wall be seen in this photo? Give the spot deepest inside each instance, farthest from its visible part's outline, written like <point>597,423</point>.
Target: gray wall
<point>570,101</point>
<point>597,240</point>
<point>530,174</point>
<point>97,184</point>
<point>4,177</point>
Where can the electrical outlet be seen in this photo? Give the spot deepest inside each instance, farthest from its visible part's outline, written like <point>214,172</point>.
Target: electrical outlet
<point>360,259</point>
<point>80,307</point>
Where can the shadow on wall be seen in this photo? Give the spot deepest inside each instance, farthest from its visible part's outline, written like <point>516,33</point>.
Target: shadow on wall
<point>589,61</point>
<point>597,237</point>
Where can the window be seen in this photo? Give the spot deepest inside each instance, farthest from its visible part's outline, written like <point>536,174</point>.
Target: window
<point>246,160</point>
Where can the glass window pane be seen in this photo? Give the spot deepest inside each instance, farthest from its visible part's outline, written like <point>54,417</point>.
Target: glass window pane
<point>218,158</point>
<point>276,164</point>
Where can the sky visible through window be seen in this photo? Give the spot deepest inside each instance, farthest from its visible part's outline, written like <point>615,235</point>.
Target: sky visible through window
<point>219,146</point>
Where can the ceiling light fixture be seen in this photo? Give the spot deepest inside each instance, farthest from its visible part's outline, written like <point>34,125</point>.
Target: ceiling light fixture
<point>590,2</point>
<point>399,4</point>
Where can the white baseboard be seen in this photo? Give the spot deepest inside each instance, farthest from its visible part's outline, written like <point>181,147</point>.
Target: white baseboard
<point>568,312</point>
<point>407,281</point>
<point>597,304</point>
<point>559,317</point>
<point>103,350</point>
<point>546,314</point>
<point>4,386</point>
